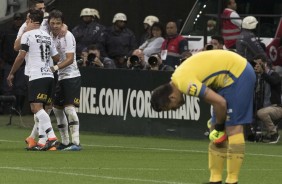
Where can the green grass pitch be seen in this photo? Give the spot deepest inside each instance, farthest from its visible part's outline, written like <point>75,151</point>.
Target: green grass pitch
<point>116,159</point>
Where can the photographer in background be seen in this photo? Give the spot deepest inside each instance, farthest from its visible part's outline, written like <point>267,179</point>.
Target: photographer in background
<point>136,61</point>
<point>92,57</point>
<point>155,63</point>
<point>270,90</point>
<point>217,42</point>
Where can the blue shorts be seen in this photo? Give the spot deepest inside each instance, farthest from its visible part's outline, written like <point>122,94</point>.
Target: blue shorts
<point>239,97</point>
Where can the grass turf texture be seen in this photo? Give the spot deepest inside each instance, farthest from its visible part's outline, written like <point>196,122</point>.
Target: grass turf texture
<point>115,159</point>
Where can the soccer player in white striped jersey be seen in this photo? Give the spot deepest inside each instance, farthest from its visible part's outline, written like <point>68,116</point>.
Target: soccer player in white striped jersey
<point>37,47</point>
<point>67,92</point>
<point>27,26</point>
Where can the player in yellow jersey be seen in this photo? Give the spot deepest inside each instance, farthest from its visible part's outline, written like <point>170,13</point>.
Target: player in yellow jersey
<point>225,80</point>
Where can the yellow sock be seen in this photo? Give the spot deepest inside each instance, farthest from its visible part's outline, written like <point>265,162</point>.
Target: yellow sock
<point>217,157</point>
<point>235,157</point>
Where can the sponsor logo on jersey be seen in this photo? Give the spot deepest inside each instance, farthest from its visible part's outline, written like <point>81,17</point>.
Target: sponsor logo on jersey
<point>192,90</point>
<point>45,69</point>
<point>49,101</point>
<point>76,101</point>
<point>41,96</point>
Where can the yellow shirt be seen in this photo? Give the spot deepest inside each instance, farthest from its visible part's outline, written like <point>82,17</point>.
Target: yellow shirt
<point>216,69</point>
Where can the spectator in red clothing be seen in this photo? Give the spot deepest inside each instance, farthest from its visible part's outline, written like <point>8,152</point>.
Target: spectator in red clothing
<point>174,46</point>
<point>231,24</point>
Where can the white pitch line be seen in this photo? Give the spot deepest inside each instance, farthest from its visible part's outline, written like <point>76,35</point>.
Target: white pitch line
<point>92,176</point>
<point>113,168</point>
<point>174,150</point>
<point>157,149</point>
<point>136,169</point>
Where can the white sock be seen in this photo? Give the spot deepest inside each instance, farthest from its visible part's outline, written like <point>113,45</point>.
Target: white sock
<point>34,132</point>
<point>73,124</point>
<point>45,127</point>
<point>62,123</point>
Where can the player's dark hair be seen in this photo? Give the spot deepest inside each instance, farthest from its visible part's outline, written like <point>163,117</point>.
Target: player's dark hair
<point>56,14</point>
<point>36,15</point>
<point>160,97</point>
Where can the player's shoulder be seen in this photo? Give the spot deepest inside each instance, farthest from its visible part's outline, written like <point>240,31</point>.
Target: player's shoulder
<point>69,34</point>
<point>45,33</point>
<point>31,33</point>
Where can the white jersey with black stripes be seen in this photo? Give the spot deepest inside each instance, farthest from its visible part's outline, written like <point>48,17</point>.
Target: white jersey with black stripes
<point>66,44</point>
<point>39,47</point>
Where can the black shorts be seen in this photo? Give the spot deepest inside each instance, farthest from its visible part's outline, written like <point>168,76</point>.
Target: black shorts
<point>40,90</point>
<point>68,92</point>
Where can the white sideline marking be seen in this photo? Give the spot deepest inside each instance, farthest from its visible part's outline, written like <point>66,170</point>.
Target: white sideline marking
<point>156,149</point>
<point>136,169</point>
<point>114,168</point>
<point>174,150</point>
<point>92,176</point>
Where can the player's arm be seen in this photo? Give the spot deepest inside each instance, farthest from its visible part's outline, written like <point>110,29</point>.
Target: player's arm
<point>218,135</point>
<point>18,62</point>
<point>17,44</point>
<point>68,61</point>
<point>56,58</point>
<point>29,26</point>
<point>219,105</point>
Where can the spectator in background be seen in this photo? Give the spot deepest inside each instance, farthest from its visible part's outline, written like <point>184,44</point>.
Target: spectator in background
<point>96,15</point>
<point>155,63</point>
<point>8,56</point>
<point>154,43</point>
<point>211,27</point>
<point>136,61</point>
<point>118,42</point>
<point>148,22</point>
<point>231,24</point>
<point>88,31</point>
<point>92,57</point>
<point>173,46</point>
<point>271,110</point>
<point>217,42</point>
<point>247,45</point>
